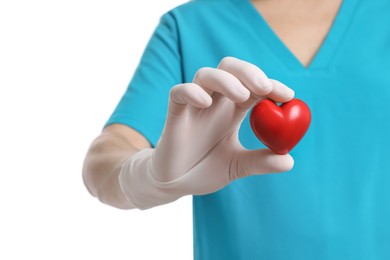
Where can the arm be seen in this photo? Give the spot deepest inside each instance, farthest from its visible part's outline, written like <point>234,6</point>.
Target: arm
<point>198,152</point>
<point>104,160</point>
<point>147,92</point>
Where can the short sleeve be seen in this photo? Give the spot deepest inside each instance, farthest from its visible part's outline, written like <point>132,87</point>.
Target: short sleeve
<point>144,105</point>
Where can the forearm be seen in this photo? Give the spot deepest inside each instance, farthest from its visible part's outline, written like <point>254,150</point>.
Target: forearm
<point>101,168</point>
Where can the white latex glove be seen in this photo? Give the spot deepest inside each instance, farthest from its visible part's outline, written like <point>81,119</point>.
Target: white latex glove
<point>199,151</point>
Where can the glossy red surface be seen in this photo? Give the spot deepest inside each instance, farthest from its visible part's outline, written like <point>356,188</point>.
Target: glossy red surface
<point>280,128</point>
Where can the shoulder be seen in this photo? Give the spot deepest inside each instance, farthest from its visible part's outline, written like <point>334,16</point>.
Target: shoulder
<point>199,17</point>
<point>197,10</point>
<point>201,5</point>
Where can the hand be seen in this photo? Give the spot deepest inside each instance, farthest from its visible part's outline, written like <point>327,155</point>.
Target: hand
<point>199,151</point>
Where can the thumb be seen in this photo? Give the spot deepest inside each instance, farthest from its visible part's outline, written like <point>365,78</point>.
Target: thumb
<point>252,162</point>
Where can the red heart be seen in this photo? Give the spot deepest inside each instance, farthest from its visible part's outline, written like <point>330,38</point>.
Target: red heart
<point>280,127</point>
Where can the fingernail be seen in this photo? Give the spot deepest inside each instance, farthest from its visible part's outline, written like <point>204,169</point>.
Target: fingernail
<point>267,85</point>
<point>290,92</point>
<point>245,93</point>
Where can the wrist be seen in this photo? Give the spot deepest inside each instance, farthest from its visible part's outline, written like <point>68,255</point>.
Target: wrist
<point>139,186</point>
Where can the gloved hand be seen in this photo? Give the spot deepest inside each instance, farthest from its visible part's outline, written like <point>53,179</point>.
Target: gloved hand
<point>199,151</point>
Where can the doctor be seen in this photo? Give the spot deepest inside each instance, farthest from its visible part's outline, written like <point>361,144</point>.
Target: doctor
<point>182,128</point>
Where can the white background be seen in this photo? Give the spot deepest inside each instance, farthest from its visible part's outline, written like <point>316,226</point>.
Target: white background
<point>63,67</point>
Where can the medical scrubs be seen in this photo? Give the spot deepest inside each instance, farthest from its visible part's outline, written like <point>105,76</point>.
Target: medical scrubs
<point>335,202</point>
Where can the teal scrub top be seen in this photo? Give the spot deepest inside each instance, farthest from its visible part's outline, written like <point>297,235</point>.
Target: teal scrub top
<point>335,203</point>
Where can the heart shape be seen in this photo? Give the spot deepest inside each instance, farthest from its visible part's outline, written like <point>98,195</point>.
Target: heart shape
<point>280,128</point>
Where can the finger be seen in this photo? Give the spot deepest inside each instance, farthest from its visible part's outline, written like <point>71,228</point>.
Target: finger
<point>181,96</point>
<point>250,75</point>
<point>260,162</point>
<point>280,92</point>
<point>187,94</point>
<point>216,80</point>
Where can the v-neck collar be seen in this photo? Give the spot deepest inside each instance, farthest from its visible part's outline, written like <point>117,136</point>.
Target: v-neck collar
<point>325,53</point>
